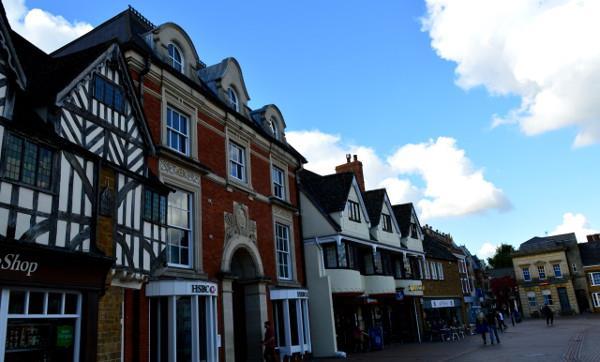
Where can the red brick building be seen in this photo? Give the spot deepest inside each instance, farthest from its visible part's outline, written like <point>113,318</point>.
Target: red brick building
<point>234,253</point>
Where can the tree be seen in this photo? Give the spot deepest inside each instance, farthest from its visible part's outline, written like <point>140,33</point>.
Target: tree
<point>503,257</point>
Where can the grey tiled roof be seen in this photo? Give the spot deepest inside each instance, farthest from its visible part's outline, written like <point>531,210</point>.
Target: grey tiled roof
<point>435,249</point>
<point>403,213</point>
<point>374,202</point>
<point>547,243</point>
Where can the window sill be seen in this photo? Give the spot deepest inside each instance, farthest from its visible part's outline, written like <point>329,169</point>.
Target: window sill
<point>181,159</point>
<point>288,283</point>
<point>283,203</point>
<point>34,188</point>
<point>240,185</point>
<point>176,272</point>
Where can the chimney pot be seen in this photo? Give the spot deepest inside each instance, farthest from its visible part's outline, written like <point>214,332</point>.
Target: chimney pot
<point>355,158</point>
<point>348,156</point>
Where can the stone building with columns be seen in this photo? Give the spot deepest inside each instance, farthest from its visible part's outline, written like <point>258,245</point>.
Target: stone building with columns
<point>233,249</point>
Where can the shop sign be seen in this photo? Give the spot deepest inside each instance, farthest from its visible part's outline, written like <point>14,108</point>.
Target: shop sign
<point>302,294</point>
<point>64,336</point>
<point>415,288</point>
<point>203,289</point>
<point>442,303</point>
<point>14,263</point>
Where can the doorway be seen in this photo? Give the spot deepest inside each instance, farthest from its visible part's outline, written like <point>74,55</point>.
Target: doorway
<point>565,306</point>
<point>247,323</point>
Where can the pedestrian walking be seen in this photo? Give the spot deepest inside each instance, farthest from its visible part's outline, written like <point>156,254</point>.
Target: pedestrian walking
<point>549,314</point>
<point>492,321</point>
<point>513,317</point>
<point>269,343</point>
<point>501,324</point>
<point>481,326</point>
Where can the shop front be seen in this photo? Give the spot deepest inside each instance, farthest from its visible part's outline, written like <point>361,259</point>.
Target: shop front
<point>406,313</point>
<point>49,303</point>
<point>291,321</point>
<point>442,313</point>
<point>183,320</point>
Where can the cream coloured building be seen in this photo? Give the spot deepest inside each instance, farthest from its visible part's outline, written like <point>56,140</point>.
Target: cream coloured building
<point>549,272</point>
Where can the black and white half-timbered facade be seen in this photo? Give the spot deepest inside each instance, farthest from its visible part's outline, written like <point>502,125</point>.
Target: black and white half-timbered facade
<point>79,208</point>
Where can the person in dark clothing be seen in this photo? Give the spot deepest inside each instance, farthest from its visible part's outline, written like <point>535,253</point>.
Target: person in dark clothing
<point>481,326</point>
<point>549,314</point>
<point>491,321</point>
<point>269,343</point>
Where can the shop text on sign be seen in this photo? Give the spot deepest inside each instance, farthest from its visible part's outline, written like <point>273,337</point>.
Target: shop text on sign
<point>13,262</point>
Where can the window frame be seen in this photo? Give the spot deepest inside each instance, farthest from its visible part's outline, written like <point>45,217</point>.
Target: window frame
<point>233,99</point>
<point>178,133</point>
<point>173,62</point>
<point>22,163</point>
<point>596,299</point>
<point>592,281</point>
<point>278,186</point>
<point>161,217</point>
<point>242,166</point>
<point>532,301</point>
<point>555,268</point>
<point>353,211</point>
<point>525,270</point>
<point>386,224</point>
<point>116,89</point>
<point>282,253</point>
<point>541,271</point>
<point>548,299</point>
<point>189,230</point>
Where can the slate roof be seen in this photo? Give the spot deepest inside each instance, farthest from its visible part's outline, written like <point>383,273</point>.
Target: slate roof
<point>403,214</point>
<point>128,28</point>
<point>501,272</point>
<point>435,249</point>
<point>374,202</point>
<point>330,191</point>
<point>48,75</point>
<point>547,243</point>
<point>590,253</point>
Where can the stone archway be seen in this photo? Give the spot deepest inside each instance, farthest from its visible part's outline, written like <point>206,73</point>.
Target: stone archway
<point>244,300</point>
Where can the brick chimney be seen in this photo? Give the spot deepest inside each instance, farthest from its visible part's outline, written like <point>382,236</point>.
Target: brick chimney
<point>593,237</point>
<point>353,166</point>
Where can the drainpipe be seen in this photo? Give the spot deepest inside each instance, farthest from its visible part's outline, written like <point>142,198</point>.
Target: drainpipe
<point>144,71</point>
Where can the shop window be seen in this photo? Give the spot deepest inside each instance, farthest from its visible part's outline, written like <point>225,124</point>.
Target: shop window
<point>180,229</point>
<point>155,207</point>
<point>26,162</point>
<point>291,324</point>
<point>182,328</point>
<point>40,325</point>
<point>547,297</point>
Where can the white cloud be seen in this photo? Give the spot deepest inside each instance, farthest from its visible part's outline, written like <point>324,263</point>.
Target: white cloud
<point>46,30</point>
<point>575,223</point>
<point>451,186</point>
<point>542,51</point>
<point>487,250</point>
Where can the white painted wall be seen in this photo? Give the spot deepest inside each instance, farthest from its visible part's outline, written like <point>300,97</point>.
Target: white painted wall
<point>313,222</point>
<point>353,228</point>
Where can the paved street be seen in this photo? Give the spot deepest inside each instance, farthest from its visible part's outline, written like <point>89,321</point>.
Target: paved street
<point>570,339</point>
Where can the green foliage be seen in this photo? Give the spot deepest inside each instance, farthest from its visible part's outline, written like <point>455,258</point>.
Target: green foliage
<point>503,257</point>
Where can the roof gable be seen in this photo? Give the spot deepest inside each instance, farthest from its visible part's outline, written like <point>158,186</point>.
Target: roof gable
<point>6,44</point>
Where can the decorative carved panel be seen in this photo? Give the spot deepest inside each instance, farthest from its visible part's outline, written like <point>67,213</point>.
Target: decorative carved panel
<point>239,223</point>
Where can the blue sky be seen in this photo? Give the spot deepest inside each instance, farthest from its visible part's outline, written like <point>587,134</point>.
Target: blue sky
<point>368,74</point>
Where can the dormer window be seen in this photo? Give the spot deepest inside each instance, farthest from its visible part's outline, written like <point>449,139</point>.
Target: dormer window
<point>175,57</point>
<point>233,99</point>
<point>387,222</point>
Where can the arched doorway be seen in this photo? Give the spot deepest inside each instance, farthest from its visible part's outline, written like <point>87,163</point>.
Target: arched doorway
<point>247,300</point>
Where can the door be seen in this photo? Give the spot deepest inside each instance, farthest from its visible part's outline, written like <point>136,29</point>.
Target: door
<point>239,322</point>
<point>565,306</point>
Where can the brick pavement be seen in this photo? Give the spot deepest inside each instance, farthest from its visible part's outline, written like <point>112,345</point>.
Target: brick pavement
<point>570,339</point>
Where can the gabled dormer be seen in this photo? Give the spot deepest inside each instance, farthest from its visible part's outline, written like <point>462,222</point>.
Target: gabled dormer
<point>99,110</point>
<point>332,204</point>
<point>410,228</point>
<point>226,80</point>
<point>384,227</point>
<point>271,120</point>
